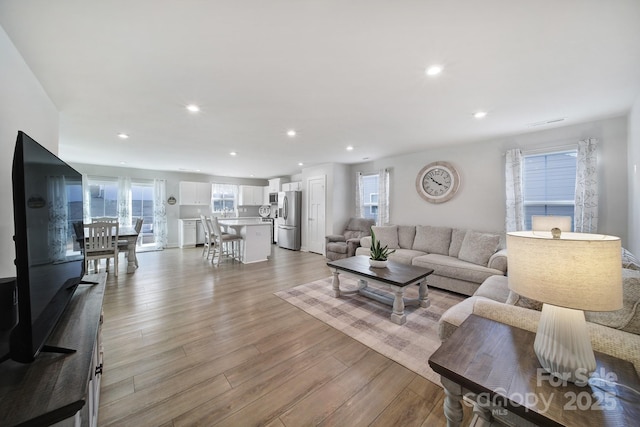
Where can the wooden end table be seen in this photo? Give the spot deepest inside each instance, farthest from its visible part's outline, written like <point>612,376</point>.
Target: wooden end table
<point>494,365</point>
<point>395,278</point>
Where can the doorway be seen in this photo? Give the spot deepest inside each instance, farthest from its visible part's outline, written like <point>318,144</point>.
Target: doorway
<point>316,208</point>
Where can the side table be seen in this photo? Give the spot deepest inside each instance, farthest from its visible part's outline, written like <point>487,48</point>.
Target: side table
<point>494,365</point>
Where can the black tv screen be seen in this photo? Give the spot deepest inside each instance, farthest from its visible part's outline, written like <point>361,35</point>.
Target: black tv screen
<point>47,200</point>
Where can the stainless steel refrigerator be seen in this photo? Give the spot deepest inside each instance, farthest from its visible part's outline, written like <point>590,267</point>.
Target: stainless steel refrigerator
<point>289,219</point>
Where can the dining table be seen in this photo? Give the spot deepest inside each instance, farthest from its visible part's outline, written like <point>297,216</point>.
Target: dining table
<point>131,236</point>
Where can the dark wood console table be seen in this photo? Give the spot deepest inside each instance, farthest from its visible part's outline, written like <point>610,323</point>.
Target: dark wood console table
<point>58,387</point>
<point>494,365</point>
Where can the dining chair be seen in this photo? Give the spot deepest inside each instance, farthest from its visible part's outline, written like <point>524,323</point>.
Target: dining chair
<point>223,241</point>
<point>209,237</point>
<point>110,219</point>
<point>101,242</point>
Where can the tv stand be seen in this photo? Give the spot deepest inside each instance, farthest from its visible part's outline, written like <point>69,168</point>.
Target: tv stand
<point>60,388</point>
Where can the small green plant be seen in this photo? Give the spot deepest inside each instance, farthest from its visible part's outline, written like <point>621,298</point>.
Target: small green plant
<point>379,252</point>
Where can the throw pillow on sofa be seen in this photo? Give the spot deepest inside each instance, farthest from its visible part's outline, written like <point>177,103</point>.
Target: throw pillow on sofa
<point>432,240</point>
<point>387,235</point>
<point>629,260</point>
<point>477,247</point>
<point>457,237</point>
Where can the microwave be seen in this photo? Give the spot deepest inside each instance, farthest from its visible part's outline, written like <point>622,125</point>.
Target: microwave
<point>273,198</point>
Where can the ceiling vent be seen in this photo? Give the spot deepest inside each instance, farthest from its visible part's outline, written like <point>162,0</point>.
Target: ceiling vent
<point>547,122</point>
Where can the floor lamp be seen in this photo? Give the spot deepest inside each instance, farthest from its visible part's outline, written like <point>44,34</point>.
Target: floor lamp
<point>568,273</point>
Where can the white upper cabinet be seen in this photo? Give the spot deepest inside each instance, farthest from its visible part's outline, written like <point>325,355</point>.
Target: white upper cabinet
<point>251,195</point>
<point>292,186</point>
<point>274,185</point>
<point>195,193</point>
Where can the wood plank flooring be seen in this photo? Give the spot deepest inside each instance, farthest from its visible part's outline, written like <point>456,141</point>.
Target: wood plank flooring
<point>188,343</point>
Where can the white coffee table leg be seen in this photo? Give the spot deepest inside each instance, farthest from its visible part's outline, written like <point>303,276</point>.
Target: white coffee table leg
<point>336,284</point>
<point>397,316</point>
<point>423,294</point>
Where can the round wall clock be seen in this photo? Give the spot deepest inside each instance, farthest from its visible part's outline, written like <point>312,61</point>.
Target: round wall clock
<point>437,182</point>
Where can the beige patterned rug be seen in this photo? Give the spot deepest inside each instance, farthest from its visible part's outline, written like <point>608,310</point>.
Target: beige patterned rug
<point>368,321</point>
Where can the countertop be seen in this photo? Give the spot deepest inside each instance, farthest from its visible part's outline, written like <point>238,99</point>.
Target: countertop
<point>242,221</point>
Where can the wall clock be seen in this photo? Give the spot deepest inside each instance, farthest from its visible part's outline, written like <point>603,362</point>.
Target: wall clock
<point>437,182</point>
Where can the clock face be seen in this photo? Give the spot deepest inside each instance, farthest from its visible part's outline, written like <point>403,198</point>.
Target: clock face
<point>437,182</point>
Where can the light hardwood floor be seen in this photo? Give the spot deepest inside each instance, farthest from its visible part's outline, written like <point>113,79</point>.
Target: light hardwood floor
<point>188,343</point>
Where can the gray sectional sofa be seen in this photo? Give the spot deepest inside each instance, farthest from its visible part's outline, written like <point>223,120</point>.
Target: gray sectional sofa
<point>461,259</point>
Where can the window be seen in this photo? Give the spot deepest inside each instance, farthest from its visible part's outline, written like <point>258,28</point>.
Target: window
<point>103,198</point>
<point>370,196</point>
<point>142,207</point>
<point>549,182</point>
<point>223,198</point>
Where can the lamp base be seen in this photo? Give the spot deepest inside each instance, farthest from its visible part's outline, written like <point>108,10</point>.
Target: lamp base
<point>563,346</point>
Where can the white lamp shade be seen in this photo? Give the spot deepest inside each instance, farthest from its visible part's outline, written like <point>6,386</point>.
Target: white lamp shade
<point>578,270</point>
<point>547,222</point>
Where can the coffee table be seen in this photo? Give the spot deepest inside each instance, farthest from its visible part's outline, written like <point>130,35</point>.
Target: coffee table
<point>395,278</point>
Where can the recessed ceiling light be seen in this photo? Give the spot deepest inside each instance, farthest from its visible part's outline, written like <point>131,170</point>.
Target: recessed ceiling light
<point>480,114</point>
<point>233,153</point>
<point>123,136</point>
<point>433,70</point>
<point>349,147</point>
<point>193,108</point>
<point>300,164</point>
<point>291,133</point>
<point>123,163</point>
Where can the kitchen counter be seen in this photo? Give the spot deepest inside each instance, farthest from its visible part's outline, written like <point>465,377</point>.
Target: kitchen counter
<point>256,233</point>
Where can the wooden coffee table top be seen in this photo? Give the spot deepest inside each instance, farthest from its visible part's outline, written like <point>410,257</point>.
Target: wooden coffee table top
<point>395,273</point>
<point>489,357</point>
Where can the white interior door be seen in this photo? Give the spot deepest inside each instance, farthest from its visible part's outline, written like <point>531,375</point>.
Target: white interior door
<point>317,200</point>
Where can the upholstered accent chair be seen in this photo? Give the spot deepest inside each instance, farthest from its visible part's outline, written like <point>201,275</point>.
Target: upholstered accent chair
<point>344,245</point>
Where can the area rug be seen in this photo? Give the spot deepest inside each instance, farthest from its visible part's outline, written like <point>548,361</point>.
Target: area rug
<point>368,321</point>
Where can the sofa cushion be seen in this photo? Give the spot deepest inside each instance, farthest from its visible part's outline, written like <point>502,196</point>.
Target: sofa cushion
<point>446,266</point>
<point>495,288</point>
<point>405,256</point>
<point>521,301</point>
<point>457,236</point>
<point>338,247</point>
<point>387,235</point>
<point>628,317</point>
<point>406,236</point>
<point>629,260</point>
<point>478,247</point>
<point>433,240</point>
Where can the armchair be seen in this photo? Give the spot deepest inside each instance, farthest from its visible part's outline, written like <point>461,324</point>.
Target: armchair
<point>344,245</point>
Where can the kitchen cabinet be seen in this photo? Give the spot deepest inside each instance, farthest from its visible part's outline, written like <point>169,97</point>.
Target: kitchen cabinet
<point>274,185</point>
<point>187,238</point>
<point>195,193</point>
<point>251,195</point>
<point>292,186</point>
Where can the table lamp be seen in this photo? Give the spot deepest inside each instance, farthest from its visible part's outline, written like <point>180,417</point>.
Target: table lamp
<point>547,222</point>
<point>568,273</point>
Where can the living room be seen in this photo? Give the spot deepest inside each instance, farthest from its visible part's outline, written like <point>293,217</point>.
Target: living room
<point>479,204</point>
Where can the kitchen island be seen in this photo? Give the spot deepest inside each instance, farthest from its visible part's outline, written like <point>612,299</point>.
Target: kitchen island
<point>256,233</point>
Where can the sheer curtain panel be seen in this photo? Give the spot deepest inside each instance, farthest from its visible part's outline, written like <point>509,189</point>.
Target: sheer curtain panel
<point>160,213</point>
<point>586,209</point>
<point>514,218</point>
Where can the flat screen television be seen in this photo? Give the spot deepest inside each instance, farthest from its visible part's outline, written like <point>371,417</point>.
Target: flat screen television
<point>47,199</point>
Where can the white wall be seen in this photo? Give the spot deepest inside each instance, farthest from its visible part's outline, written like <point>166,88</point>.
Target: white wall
<point>480,201</point>
<point>25,106</point>
<point>633,154</point>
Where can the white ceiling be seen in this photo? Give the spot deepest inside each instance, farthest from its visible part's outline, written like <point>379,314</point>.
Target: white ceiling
<point>340,72</point>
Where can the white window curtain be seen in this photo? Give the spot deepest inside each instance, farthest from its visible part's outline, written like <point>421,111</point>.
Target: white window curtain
<point>124,201</point>
<point>160,213</point>
<point>359,196</point>
<point>514,218</point>
<point>57,206</point>
<point>586,207</point>
<point>383,197</point>
<point>86,199</point>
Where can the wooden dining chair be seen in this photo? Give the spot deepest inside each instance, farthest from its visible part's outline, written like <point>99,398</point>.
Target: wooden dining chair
<point>101,242</point>
<point>109,219</point>
<point>209,237</point>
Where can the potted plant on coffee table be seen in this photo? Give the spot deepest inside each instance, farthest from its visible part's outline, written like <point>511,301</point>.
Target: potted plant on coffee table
<point>378,253</point>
